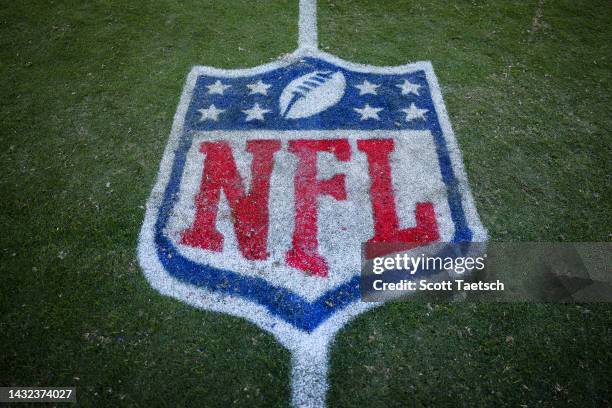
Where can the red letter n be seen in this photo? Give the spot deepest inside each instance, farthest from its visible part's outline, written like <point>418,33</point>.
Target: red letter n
<point>249,211</point>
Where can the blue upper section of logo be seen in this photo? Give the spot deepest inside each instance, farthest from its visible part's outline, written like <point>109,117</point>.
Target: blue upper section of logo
<point>390,97</point>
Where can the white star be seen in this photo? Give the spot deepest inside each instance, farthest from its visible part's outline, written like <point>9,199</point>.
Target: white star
<point>212,113</point>
<point>255,113</point>
<point>368,112</point>
<point>407,88</point>
<point>217,88</point>
<point>367,88</point>
<point>414,113</point>
<point>258,88</point>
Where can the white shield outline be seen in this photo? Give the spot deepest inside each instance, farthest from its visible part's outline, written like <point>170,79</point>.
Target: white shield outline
<point>309,349</point>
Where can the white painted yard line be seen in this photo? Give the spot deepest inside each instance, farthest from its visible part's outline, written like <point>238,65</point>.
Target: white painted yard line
<point>309,367</point>
<point>309,360</point>
<point>308,26</point>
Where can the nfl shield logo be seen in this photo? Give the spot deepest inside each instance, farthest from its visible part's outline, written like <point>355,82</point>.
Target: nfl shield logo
<point>275,176</point>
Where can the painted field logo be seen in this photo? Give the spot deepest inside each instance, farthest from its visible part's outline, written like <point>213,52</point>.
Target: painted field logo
<point>274,176</point>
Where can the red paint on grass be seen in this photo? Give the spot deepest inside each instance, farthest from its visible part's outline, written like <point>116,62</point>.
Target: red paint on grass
<point>384,212</point>
<point>304,255</point>
<point>249,211</point>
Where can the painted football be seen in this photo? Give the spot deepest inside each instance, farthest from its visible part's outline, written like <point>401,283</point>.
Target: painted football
<point>311,93</point>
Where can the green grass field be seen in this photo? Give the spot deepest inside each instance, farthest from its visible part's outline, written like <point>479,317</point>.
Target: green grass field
<point>89,90</point>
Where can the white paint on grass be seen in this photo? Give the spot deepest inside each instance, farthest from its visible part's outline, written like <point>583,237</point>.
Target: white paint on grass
<point>366,88</point>
<point>307,39</point>
<point>414,113</point>
<point>311,94</point>
<point>210,113</point>
<point>368,112</point>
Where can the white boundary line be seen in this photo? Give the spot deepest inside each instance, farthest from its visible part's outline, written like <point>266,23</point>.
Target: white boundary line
<point>308,25</point>
<point>309,350</point>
